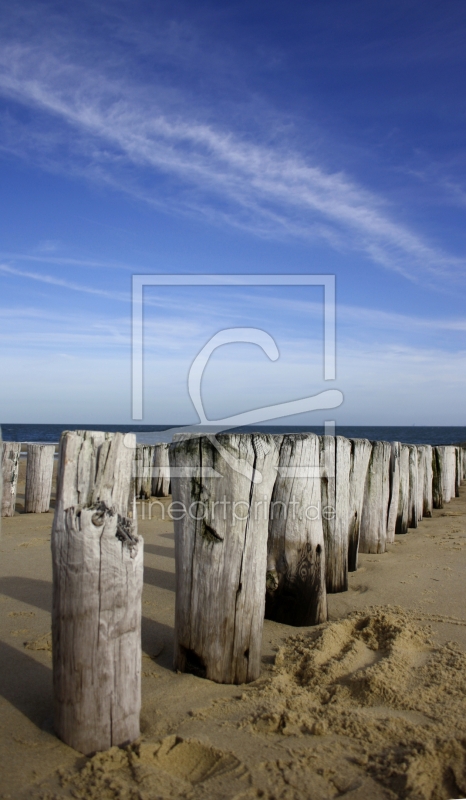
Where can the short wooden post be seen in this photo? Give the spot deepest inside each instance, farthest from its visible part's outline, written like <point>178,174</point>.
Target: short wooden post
<point>39,474</point>
<point>373,535</point>
<point>97,560</point>
<point>403,499</point>
<point>360,454</point>
<point>11,452</point>
<point>438,468</point>
<point>161,471</point>
<point>296,593</point>
<point>428,480</point>
<point>413,487</point>
<point>394,486</point>
<point>221,530</point>
<point>327,461</point>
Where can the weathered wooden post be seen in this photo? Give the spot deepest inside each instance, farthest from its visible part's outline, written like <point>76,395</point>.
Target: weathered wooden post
<point>403,500</point>
<point>335,520</point>
<point>373,534</point>
<point>458,471</point>
<point>296,593</point>
<point>448,458</point>
<point>161,472</point>
<point>221,531</point>
<point>413,487</point>
<point>360,454</point>
<point>97,560</point>
<point>143,465</point>
<point>420,481</point>
<point>438,468</point>
<point>39,474</point>
<point>394,486</point>
<point>428,480</point>
<point>11,452</point>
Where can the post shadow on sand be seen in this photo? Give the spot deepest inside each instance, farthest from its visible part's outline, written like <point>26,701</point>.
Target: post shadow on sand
<point>156,550</point>
<point>33,591</point>
<point>27,685</point>
<point>157,639</point>
<point>160,578</point>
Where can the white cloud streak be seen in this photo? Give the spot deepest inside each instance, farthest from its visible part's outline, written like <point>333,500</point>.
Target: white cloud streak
<point>268,190</point>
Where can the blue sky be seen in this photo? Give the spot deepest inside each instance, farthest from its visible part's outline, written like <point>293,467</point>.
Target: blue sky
<point>281,138</point>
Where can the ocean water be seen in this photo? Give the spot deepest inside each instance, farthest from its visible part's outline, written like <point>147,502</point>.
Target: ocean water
<point>152,433</point>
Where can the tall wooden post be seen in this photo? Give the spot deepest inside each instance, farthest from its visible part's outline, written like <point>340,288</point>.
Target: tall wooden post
<point>296,592</point>
<point>221,534</point>
<point>438,467</point>
<point>420,481</point>
<point>394,483</point>
<point>161,473</point>
<point>413,487</point>
<point>97,560</point>
<point>361,450</point>
<point>403,500</point>
<point>11,452</point>
<point>373,535</point>
<point>143,465</point>
<point>39,474</point>
<point>458,471</point>
<point>428,481</point>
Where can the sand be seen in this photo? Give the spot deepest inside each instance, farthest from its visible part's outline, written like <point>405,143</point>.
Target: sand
<point>371,704</point>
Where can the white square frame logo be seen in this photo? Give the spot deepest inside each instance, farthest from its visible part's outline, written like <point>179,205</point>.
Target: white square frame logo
<point>139,282</point>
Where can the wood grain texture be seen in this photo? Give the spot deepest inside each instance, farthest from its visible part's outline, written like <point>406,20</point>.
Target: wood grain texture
<point>11,452</point>
<point>296,591</point>
<point>97,560</point>
<point>327,463</point>
<point>39,474</point>
<point>403,498</point>
<point>394,487</point>
<point>373,535</point>
<point>221,552</point>
<point>360,455</point>
<point>161,477</point>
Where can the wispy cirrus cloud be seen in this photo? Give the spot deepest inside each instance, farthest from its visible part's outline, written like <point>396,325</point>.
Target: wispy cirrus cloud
<point>129,136</point>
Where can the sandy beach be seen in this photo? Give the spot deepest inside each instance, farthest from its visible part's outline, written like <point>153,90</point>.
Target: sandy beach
<point>368,705</point>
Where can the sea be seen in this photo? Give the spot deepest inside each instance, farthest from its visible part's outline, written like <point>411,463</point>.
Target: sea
<point>412,434</point>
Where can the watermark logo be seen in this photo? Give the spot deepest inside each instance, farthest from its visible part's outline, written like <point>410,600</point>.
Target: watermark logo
<point>328,399</point>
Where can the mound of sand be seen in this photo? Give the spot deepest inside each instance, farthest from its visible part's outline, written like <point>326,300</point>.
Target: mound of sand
<point>376,709</point>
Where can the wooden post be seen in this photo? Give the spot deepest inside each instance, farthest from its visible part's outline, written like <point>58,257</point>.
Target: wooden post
<point>448,457</point>
<point>360,454</point>
<point>327,460</point>
<point>221,534</point>
<point>420,481</point>
<point>458,471</point>
<point>413,490</point>
<point>143,466</point>
<point>428,480</point>
<point>39,474</point>
<point>373,535</point>
<point>11,453</point>
<point>403,500</point>
<point>97,560</point>
<point>161,475</point>
<point>438,467</point>
<point>296,593</point>
<point>394,484</point>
